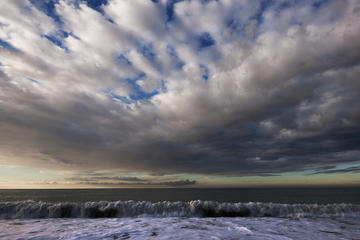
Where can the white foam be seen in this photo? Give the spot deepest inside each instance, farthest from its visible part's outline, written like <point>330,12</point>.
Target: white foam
<point>244,229</point>
<point>104,209</point>
<point>181,228</point>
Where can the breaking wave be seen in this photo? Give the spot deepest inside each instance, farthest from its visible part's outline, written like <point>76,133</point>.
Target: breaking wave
<point>119,209</point>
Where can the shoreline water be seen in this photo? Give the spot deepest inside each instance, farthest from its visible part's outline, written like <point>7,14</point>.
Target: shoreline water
<point>202,209</point>
<point>181,228</point>
<point>300,213</point>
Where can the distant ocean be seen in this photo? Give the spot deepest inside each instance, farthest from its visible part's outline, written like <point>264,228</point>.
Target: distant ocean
<point>246,213</point>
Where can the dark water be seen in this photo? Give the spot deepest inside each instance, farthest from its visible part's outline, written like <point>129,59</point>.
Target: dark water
<point>275,195</point>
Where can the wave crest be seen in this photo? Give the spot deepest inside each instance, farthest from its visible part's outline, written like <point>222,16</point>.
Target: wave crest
<point>119,209</point>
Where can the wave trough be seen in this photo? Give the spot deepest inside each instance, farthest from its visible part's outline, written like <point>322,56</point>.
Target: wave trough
<point>120,209</point>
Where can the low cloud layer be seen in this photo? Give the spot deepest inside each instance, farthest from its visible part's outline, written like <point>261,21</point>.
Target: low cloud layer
<point>330,170</point>
<point>225,87</point>
<point>122,181</point>
<point>179,183</point>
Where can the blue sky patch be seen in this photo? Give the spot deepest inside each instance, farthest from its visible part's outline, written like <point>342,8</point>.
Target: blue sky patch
<point>206,72</point>
<point>96,4</point>
<point>138,93</point>
<point>264,5</point>
<point>73,35</point>
<point>55,40</point>
<point>7,45</point>
<point>235,26</point>
<point>93,4</point>
<point>121,58</point>
<point>117,97</point>
<point>146,49</point>
<point>319,3</point>
<point>205,40</point>
<point>170,4</point>
<point>47,7</point>
<point>121,98</point>
<point>172,52</point>
<point>141,95</point>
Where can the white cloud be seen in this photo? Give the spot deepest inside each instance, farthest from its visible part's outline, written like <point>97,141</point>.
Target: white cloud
<point>287,75</point>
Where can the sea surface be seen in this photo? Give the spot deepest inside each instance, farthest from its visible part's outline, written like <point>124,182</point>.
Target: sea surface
<point>246,213</point>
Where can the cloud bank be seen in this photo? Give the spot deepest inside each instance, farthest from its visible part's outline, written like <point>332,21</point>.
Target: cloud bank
<point>205,87</point>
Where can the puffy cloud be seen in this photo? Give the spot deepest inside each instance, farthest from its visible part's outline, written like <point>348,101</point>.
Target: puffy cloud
<point>216,87</point>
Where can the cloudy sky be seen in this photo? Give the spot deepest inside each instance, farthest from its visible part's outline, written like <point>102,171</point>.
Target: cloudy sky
<point>172,93</point>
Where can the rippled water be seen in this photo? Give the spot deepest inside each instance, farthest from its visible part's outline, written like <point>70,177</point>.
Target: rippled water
<point>182,228</point>
<point>306,213</point>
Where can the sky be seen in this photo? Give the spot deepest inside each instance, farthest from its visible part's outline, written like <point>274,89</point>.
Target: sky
<point>179,93</point>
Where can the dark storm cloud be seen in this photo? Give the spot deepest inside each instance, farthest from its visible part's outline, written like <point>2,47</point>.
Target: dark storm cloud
<point>279,96</point>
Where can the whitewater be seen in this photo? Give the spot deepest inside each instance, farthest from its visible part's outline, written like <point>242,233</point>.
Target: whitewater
<point>198,208</point>
<point>39,220</point>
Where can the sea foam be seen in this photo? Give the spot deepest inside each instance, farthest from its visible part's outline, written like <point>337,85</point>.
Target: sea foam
<point>119,209</point>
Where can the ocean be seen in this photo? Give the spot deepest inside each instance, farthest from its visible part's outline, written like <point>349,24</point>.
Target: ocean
<point>245,213</point>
